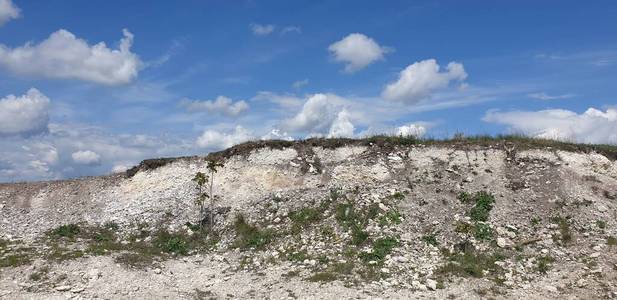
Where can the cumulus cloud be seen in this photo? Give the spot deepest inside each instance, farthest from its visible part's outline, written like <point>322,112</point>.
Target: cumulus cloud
<point>120,167</point>
<point>592,126</point>
<point>221,104</point>
<point>342,126</point>
<point>277,134</point>
<point>64,56</point>
<point>86,157</point>
<point>420,79</point>
<point>357,51</point>
<point>26,114</point>
<point>8,11</point>
<point>261,30</point>
<point>415,130</point>
<point>217,140</point>
<point>544,96</point>
<point>317,114</point>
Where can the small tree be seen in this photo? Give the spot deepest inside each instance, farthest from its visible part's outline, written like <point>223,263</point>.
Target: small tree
<point>201,179</point>
<point>213,167</point>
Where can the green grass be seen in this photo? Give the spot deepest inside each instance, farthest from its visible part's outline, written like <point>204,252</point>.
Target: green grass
<point>483,205</point>
<point>565,234</point>
<point>611,241</point>
<point>303,218</point>
<point>381,248</point>
<point>430,239</point>
<point>483,232</point>
<point>544,263</point>
<point>250,236</point>
<point>601,224</point>
<point>15,260</point>
<point>469,263</point>
<point>323,277</point>
<point>67,231</point>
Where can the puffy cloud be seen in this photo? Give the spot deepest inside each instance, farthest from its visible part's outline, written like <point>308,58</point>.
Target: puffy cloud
<point>420,79</point>
<point>300,83</point>
<point>357,51</point>
<point>544,96</point>
<point>261,30</point>
<point>26,114</point>
<point>120,167</point>
<point>592,126</point>
<point>342,126</point>
<point>222,105</point>
<point>416,130</point>
<point>86,157</point>
<point>64,56</point>
<point>8,11</point>
<point>317,114</point>
<point>276,134</point>
<point>217,140</point>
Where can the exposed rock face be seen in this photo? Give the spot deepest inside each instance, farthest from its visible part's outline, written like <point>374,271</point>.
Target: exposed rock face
<point>450,222</point>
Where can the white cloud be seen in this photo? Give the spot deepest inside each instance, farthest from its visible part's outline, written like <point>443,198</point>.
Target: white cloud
<point>291,29</point>
<point>26,114</point>
<point>121,167</point>
<point>357,51</point>
<point>283,100</point>
<point>261,30</point>
<point>317,114</point>
<point>300,83</point>
<point>222,105</point>
<point>64,56</point>
<point>342,126</point>
<point>86,157</point>
<point>415,130</point>
<point>544,96</point>
<point>419,80</point>
<point>592,126</point>
<point>8,11</point>
<point>217,140</point>
<point>276,134</point>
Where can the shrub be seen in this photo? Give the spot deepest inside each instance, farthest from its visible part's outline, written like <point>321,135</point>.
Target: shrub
<point>483,205</point>
<point>483,231</point>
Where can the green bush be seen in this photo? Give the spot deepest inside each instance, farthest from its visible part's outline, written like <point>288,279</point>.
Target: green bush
<point>483,205</point>
<point>483,231</point>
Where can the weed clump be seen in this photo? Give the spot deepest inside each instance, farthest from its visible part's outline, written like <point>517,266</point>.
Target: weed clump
<point>249,236</point>
<point>483,205</point>
<point>381,248</point>
<point>469,262</point>
<point>67,231</point>
<point>430,239</point>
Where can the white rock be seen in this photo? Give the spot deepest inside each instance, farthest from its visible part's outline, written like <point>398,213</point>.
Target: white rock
<point>501,242</point>
<point>431,284</point>
<point>63,288</point>
<point>157,271</point>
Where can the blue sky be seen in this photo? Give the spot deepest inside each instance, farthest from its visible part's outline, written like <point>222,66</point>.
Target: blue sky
<point>197,76</point>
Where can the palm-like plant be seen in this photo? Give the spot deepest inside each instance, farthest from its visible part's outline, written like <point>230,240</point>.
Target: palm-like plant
<point>201,179</point>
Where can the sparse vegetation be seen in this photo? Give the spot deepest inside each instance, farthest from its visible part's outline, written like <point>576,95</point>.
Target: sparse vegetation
<point>430,239</point>
<point>469,262</point>
<point>565,235</point>
<point>611,241</point>
<point>483,205</point>
<point>66,231</point>
<point>249,236</point>
<point>380,249</point>
<point>544,263</point>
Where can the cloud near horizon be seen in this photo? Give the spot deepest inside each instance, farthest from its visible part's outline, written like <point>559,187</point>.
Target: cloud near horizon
<point>592,126</point>
<point>419,80</point>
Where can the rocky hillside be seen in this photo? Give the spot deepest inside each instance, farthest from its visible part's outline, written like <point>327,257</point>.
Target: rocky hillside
<point>329,219</point>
